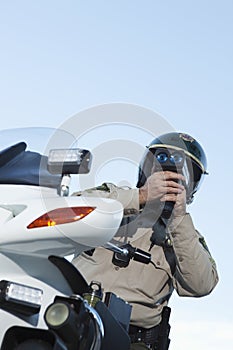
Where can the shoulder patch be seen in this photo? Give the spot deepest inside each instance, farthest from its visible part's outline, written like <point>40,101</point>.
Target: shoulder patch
<point>104,187</point>
<point>130,211</point>
<point>203,243</point>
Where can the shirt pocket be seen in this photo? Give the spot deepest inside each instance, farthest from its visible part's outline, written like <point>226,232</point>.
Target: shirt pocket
<point>153,279</point>
<point>99,257</point>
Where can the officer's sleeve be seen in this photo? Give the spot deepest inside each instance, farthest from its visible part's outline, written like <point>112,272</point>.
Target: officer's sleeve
<point>128,197</point>
<point>196,273</point>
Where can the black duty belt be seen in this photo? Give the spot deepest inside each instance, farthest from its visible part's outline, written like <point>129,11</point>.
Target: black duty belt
<point>145,335</point>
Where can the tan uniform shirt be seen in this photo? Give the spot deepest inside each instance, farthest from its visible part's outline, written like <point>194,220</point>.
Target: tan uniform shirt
<point>144,286</point>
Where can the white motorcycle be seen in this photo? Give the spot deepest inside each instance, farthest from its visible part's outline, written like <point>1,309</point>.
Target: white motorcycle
<point>44,302</point>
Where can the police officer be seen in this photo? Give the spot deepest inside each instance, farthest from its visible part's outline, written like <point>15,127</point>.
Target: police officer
<point>156,220</point>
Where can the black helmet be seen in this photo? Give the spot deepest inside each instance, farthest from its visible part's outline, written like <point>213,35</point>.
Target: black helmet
<point>194,163</point>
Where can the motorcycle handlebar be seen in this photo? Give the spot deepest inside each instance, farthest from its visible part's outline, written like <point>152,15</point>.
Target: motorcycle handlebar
<point>122,255</point>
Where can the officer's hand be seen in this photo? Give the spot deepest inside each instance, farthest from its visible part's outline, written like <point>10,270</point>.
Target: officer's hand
<point>180,203</point>
<point>164,186</point>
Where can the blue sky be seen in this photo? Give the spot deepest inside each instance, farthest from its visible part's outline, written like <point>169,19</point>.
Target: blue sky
<point>59,58</point>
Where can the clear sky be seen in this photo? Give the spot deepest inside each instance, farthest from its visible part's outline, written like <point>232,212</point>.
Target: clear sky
<point>59,58</point>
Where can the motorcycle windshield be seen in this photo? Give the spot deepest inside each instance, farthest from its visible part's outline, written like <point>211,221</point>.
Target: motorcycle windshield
<point>24,154</point>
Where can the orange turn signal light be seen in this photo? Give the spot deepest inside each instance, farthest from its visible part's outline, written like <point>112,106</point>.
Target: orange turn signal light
<point>61,216</point>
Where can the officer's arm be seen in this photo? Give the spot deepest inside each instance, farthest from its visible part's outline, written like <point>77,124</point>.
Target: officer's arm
<point>128,197</point>
<point>196,273</point>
